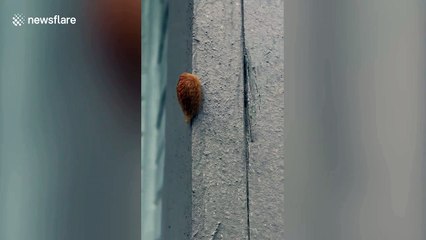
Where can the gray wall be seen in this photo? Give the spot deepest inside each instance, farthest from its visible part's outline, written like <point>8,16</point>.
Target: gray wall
<point>237,139</point>
<point>355,161</point>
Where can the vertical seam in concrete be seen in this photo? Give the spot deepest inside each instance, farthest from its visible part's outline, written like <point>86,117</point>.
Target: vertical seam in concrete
<point>247,130</point>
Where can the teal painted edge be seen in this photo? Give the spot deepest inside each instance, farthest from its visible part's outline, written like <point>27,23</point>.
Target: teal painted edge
<point>154,72</point>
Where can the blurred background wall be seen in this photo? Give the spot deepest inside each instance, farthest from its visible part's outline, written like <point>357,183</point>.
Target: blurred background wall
<point>355,119</point>
<point>154,73</point>
<point>70,121</point>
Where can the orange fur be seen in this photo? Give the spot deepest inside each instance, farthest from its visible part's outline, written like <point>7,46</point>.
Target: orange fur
<point>189,94</point>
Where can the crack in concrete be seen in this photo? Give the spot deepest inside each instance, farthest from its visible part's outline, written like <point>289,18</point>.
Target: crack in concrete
<point>247,124</point>
<point>216,231</point>
<point>253,95</point>
<point>194,235</point>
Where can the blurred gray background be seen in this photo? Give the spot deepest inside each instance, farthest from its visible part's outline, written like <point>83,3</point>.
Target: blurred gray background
<point>70,122</point>
<point>355,119</point>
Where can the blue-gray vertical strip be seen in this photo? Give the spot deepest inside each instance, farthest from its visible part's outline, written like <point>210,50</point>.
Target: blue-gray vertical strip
<point>154,72</point>
<point>24,182</point>
<point>69,146</point>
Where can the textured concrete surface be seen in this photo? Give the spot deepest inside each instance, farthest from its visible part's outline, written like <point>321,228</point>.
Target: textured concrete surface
<point>264,65</point>
<point>237,140</point>
<point>218,146</point>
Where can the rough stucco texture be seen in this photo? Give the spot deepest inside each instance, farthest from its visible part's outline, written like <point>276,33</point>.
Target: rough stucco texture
<point>237,139</point>
<point>218,177</point>
<point>264,41</point>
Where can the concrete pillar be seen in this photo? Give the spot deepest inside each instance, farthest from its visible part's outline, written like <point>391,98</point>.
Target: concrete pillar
<point>264,66</point>
<point>237,151</point>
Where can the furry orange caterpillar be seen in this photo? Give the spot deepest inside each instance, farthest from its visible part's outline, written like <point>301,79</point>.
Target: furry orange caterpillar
<point>189,94</point>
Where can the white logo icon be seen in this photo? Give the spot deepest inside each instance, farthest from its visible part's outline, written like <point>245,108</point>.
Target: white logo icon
<point>18,19</point>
